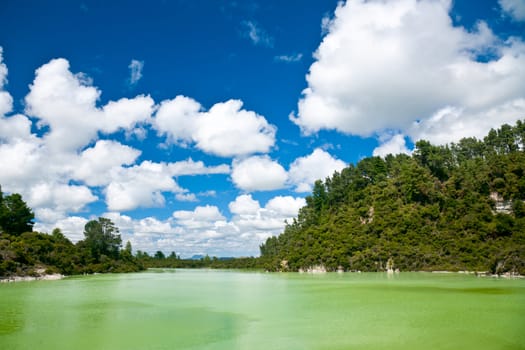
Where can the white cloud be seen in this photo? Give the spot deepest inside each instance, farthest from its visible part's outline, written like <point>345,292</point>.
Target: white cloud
<point>391,145</point>
<point>202,217</point>
<point>304,171</point>
<point>135,71</point>
<point>244,204</point>
<point>67,104</point>
<point>191,167</point>
<point>59,196</point>
<point>14,127</point>
<point>186,197</point>
<point>178,118</point>
<point>285,206</point>
<point>289,58</point>
<point>72,227</point>
<point>21,163</point>
<point>225,130</point>
<point>386,64</point>
<point>6,101</point>
<point>140,186</point>
<point>256,34</point>
<point>126,113</point>
<point>258,173</point>
<point>3,69</point>
<point>514,8</point>
<point>261,223</point>
<point>62,171</point>
<point>202,230</point>
<point>95,163</point>
<point>451,124</point>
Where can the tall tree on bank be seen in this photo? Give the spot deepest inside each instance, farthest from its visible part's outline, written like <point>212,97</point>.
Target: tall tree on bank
<point>15,216</point>
<point>102,238</point>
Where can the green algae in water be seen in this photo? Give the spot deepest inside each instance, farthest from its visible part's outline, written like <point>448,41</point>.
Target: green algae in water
<point>202,309</point>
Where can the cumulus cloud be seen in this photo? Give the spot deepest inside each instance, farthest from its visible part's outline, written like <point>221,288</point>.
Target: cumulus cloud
<point>62,197</point>
<point>21,163</point>
<point>95,163</point>
<point>256,34</point>
<point>6,101</point>
<point>13,127</point>
<point>143,185</point>
<point>263,222</point>
<point>395,144</point>
<point>140,186</point>
<point>17,127</point>
<point>387,64</point>
<point>304,171</point>
<point>191,167</point>
<point>258,173</point>
<point>225,130</point>
<point>244,204</point>
<point>514,8</point>
<point>204,229</point>
<point>42,168</point>
<point>135,71</point>
<point>202,217</point>
<point>72,227</point>
<point>67,104</point>
<point>63,168</point>
<point>450,124</point>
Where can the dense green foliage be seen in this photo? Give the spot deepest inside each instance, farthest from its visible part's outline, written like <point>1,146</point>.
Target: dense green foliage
<point>454,207</point>
<point>159,260</point>
<point>15,216</point>
<point>23,252</point>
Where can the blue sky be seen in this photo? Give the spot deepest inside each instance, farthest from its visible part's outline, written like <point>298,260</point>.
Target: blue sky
<point>200,126</point>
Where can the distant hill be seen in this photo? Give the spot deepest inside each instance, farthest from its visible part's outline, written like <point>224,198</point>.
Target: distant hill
<point>454,207</point>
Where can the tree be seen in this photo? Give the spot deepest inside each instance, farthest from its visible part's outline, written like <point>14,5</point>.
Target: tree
<point>159,255</point>
<point>102,238</point>
<point>127,253</point>
<point>15,216</point>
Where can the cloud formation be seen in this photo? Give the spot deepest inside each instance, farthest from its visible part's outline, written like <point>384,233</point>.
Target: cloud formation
<point>514,8</point>
<point>395,144</point>
<point>225,130</point>
<point>65,169</point>
<point>384,65</point>
<point>258,173</point>
<point>289,58</point>
<point>256,34</point>
<point>304,171</point>
<point>135,71</point>
<point>66,103</point>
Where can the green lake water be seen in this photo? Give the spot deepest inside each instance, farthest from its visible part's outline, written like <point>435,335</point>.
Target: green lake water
<point>205,309</point>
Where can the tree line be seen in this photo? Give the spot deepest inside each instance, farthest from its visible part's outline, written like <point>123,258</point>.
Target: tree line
<point>24,252</point>
<point>453,207</point>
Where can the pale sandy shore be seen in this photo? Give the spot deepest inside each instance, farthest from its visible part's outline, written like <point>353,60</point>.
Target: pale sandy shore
<point>52,277</point>
<point>41,276</point>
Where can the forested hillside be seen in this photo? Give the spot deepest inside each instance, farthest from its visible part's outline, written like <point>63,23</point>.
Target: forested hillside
<point>27,253</point>
<point>454,207</point>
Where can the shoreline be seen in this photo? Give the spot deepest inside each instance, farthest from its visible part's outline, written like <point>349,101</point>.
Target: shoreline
<point>507,275</point>
<point>51,277</point>
<point>41,276</point>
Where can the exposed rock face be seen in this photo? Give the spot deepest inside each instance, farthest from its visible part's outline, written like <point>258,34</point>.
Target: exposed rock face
<point>501,206</point>
<point>369,218</point>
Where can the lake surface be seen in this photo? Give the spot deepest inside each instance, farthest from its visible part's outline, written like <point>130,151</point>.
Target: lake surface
<point>207,309</point>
